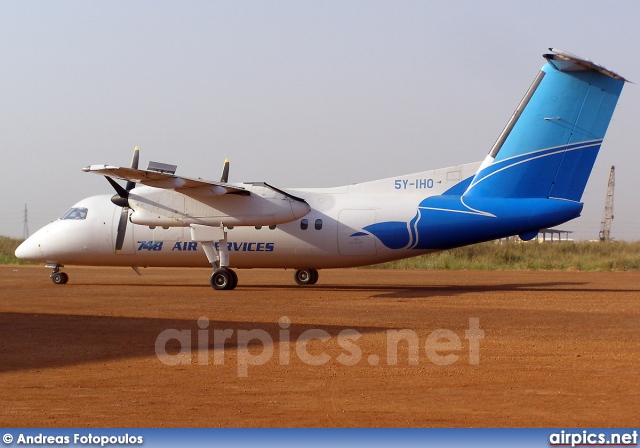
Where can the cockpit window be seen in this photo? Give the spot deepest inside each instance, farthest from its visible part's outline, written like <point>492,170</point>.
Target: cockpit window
<point>75,213</point>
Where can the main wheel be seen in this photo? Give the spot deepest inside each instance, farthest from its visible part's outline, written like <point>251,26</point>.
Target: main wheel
<point>223,278</point>
<point>306,276</point>
<point>234,277</point>
<point>60,278</point>
<point>314,276</point>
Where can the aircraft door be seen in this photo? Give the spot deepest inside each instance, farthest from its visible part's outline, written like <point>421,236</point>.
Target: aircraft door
<point>352,240</point>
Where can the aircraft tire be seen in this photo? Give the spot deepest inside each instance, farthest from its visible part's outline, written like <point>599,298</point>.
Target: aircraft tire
<point>223,279</point>
<point>60,278</point>
<point>306,276</point>
<point>235,279</point>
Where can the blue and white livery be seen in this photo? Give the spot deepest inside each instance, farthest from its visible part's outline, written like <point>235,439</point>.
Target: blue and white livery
<point>533,178</point>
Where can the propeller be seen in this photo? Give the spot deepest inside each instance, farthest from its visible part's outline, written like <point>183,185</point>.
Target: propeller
<point>225,172</point>
<point>121,199</point>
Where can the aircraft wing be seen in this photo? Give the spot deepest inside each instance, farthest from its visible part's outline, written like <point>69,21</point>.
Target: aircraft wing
<point>166,180</point>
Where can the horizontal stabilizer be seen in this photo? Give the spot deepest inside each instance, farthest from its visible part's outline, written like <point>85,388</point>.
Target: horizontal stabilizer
<point>566,62</point>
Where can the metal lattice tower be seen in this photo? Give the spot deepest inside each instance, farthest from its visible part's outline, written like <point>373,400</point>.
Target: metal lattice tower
<point>605,225</point>
<point>25,225</point>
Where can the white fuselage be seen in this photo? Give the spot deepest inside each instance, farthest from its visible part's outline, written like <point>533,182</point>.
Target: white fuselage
<point>325,237</point>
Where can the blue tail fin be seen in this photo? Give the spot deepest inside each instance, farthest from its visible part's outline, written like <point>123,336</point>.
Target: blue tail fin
<point>549,146</point>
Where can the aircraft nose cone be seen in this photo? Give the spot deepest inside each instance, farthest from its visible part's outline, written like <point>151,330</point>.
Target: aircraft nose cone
<point>28,250</point>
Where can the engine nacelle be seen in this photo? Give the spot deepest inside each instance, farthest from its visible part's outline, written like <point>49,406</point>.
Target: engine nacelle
<point>261,207</point>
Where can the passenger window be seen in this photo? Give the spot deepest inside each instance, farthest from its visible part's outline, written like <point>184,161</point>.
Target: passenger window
<point>75,213</point>
<point>304,224</point>
<point>318,224</point>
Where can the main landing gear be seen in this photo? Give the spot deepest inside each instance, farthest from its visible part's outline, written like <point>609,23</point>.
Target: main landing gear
<point>306,276</point>
<point>224,278</point>
<point>214,243</point>
<point>57,277</point>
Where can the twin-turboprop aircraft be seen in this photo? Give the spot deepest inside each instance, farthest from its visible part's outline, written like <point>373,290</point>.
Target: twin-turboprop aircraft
<point>533,178</point>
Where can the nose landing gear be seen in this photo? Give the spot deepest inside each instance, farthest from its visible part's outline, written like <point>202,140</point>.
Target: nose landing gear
<point>60,278</point>
<point>57,277</point>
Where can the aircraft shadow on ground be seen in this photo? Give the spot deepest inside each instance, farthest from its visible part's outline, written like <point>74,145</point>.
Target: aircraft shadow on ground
<point>391,291</point>
<point>420,291</point>
<point>41,341</point>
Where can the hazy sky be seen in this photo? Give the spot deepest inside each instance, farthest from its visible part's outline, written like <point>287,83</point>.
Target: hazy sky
<point>298,94</point>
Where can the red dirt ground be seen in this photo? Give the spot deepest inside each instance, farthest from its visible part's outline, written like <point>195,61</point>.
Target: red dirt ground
<point>560,349</point>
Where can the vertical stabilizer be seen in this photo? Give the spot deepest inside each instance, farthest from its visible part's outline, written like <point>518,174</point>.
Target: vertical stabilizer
<point>549,146</point>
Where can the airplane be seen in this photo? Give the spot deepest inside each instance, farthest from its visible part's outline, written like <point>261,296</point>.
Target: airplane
<point>533,178</point>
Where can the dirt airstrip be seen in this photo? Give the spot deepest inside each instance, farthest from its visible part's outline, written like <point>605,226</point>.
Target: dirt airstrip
<point>559,349</point>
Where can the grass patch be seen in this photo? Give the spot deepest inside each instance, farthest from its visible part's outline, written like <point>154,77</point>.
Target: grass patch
<point>565,256</point>
<point>7,248</point>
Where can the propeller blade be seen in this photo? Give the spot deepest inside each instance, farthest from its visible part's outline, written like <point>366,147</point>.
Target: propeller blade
<point>134,165</point>
<point>122,229</point>
<point>121,198</point>
<point>225,172</point>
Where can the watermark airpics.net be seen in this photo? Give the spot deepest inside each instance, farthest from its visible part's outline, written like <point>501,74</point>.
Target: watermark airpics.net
<point>256,347</point>
<point>593,438</point>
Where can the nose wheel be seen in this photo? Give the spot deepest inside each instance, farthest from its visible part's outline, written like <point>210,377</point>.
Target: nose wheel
<point>60,278</point>
<point>57,277</point>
